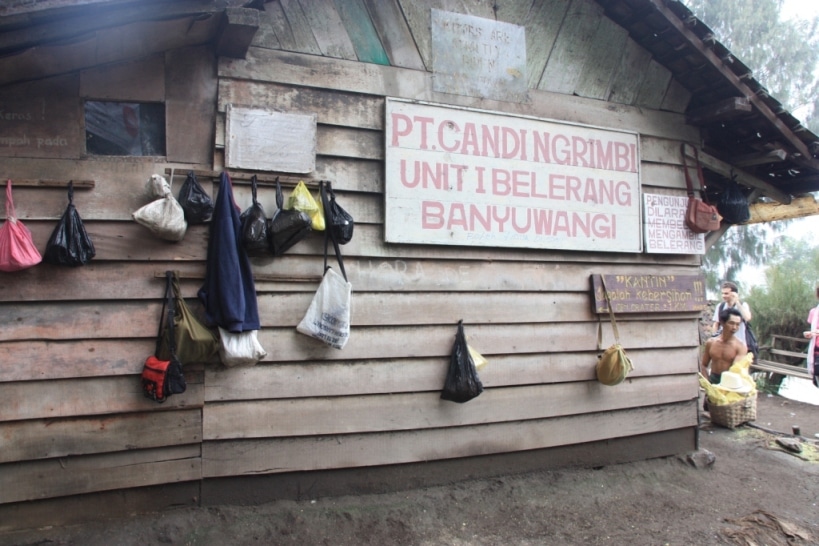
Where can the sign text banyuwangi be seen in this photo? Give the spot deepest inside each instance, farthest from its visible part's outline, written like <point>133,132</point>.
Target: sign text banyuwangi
<point>465,177</point>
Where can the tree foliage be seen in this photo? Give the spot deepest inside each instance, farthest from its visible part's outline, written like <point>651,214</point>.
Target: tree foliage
<point>783,54</point>
<point>781,307</point>
<point>738,247</point>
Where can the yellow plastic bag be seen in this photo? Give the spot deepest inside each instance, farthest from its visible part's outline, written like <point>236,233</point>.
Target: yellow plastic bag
<point>301,200</point>
<point>743,365</point>
<point>479,360</point>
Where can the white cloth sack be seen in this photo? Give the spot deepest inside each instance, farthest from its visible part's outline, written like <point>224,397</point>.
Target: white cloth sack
<point>240,349</point>
<point>157,186</point>
<point>328,317</point>
<point>164,217</point>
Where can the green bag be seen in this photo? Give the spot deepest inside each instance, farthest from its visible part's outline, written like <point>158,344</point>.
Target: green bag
<point>195,342</point>
<point>613,365</point>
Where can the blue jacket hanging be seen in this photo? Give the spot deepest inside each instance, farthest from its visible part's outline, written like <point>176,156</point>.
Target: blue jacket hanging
<point>229,293</point>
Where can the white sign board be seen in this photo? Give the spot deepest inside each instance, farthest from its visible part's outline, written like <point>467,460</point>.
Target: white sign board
<point>478,57</point>
<point>666,232</point>
<point>270,141</point>
<point>456,176</point>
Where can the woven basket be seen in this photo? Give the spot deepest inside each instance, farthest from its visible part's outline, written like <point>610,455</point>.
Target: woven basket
<point>733,415</point>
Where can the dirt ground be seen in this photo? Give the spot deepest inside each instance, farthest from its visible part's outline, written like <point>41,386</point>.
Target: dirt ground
<point>754,493</point>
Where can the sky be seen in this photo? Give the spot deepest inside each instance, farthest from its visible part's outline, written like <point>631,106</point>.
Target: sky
<point>802,227</point>
<point>799,8</point>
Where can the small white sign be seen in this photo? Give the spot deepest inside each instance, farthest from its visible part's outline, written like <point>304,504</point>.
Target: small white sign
<point>478,57</point>
<point>457,176</point>
<point>665,229</point>
<point>270,141</point>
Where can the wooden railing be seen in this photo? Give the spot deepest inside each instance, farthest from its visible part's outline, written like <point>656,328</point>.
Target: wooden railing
<point>777,354</point>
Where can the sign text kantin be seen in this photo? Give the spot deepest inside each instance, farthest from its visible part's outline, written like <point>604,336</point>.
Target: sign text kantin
<point>457,176</point>
<point>649,293</point>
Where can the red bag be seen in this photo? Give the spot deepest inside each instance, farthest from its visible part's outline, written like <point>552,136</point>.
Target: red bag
<point>162,378</point>
<point>17,250</point>
<point>700,217</point>
<point>154,374</point>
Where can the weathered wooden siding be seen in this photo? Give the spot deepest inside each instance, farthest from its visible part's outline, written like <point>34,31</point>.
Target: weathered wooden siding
<point>377,403</point>
<point>73,420</point>
<point>572,47</point>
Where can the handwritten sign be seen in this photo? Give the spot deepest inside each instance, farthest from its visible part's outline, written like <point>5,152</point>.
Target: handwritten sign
<point>478,57</point>
<point>649,293</point>
<point>270,141</point>
<point>457,176</point>
<point>40,127</point>
<point>665,229</point>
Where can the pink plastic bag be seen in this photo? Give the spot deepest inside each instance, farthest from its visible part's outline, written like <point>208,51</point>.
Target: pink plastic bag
<point>17,250</point>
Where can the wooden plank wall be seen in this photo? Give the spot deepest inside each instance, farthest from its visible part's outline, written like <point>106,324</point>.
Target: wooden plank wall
<point>73,341</point>
<point>572,48</point>
<point>377,401</point>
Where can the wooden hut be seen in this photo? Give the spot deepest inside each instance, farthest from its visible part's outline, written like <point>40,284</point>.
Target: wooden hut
<point>77,437</point>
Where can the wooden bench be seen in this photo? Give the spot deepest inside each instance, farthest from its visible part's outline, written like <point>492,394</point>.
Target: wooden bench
<point>787,362</point>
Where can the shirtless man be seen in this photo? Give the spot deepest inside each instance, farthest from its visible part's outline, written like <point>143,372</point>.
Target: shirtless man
<point>722,351</point>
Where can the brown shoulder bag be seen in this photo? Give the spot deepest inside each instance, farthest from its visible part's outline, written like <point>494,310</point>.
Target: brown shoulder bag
<point>700,216</point>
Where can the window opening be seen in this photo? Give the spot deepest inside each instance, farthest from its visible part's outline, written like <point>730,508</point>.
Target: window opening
<point>125,128</point>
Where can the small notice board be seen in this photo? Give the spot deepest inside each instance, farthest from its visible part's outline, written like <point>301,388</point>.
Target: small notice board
<point>270,141</point>
<point>665,229</point>
<point>649,293</point>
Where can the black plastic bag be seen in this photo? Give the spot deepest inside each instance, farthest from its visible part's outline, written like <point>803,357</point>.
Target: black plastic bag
<point>462,382</point>
<point>338,222</point>
<point>732,205</point>
<point>287,227</point>
<point>195,202</point>
<point>254,226</point>
<point>69,243</point>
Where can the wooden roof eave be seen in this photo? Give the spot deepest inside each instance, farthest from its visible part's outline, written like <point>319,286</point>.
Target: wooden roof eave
<point>804,157</point>
<point>20,31</point>
<point>746,179</point>
<point>774,212</point>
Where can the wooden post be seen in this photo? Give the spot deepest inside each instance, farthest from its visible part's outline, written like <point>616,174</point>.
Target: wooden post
<point>236,32</point>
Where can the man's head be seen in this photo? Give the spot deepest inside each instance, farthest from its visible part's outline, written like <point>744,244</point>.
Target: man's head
<point>729,291</point>
<point>731,320</point>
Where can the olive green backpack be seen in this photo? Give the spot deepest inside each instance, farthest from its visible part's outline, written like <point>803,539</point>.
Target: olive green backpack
<point>195,342</point>
<point>613,365</point>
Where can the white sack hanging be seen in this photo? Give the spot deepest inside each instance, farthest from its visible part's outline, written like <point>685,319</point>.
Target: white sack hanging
<point>328,317</point>
<point>163,217</point>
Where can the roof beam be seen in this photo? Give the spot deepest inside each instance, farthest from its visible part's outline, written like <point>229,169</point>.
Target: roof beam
<point>236,32</point>
<point>80,23</point>
<point>774,212</point>
<point>707,53</point>
<point>805,184</point>
<point>728,109</point>
<point>746,179</point>
<point>759,158</point>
